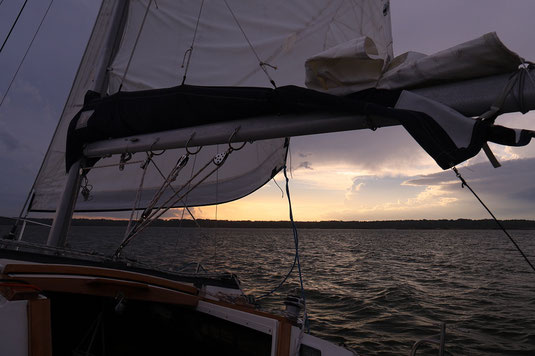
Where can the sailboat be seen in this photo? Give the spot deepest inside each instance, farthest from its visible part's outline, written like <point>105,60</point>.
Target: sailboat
<point>178,104</point>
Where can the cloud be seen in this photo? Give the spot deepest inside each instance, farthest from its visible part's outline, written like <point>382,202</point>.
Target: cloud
<point>387,151</point>
<point>331,193</point>
<point>509,189</point>
<point>304,165</point>
<point>355,187</point>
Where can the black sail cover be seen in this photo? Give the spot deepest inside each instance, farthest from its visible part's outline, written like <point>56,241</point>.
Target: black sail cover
<point>446,135</point>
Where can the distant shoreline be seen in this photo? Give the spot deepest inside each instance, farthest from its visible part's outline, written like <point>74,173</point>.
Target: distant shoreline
<point>440,224</point>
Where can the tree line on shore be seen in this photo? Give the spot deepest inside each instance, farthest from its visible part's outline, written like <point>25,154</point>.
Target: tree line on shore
<point>442,224</point>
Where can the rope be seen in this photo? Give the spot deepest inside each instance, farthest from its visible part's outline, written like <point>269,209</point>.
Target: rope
<point>181,163</point>
<point>260,62</point>
<point>464,184</point>
<point>154,216</point>
<point>216,207</point>
<point>182,217</point>
<point>26,53</point>
<point>278,186</point>
<point>189,51</point>
<point>135,45</point>
<point>173,189</point>
<point>13,26</point>
<point>296,240</point>
<point>218,161</point>
<point>296,244</point>
<point>138,195</point>
<point>167,181</point>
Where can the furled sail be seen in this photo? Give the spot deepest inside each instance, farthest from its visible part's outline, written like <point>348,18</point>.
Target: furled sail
<point>165,43</point>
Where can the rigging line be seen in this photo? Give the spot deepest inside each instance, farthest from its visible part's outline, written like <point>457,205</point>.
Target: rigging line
<point>26,53</point>
<point>278,186</point>
<point>138,195</point>
<point>182,217</point>
<point>296,240</point>
<point>464,184</point>
<point>174,190</point>
<point>216,206</point>
<point>13,26</point>
<point>155,215</point>
<point>296,243</point>
<point>173,174</point>
<point>24,211</point>
<point>179,190</point>
<point>261,63</point>
<point>177,238</point>
<point>135,45</point>
<point>189,51</point>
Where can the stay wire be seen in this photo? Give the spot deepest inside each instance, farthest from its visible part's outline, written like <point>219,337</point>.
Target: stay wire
<point>464,184</point>
<point>135,44</point>
<point>174,190</point>
<point>189,51</point>
<point>12,26</point>
<point>26,53</point>
<point>182,217</point>
<point>155,215</point>
<point>138,195</point>
<point>261,63</point>
<point>216,216</point>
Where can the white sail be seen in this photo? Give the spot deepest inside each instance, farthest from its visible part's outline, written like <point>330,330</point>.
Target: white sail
<point>230,39</point>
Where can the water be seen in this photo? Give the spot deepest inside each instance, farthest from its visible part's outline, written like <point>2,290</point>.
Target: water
<point>375,291</point>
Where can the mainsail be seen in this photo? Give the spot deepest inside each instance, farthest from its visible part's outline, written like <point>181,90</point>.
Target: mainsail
<point>158,44</point>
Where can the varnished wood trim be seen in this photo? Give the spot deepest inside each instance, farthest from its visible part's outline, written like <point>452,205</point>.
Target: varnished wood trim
<point>114,282</point>
<point>39,333</point>
<point>97,272</point>
<point>284,337</point>
<point>111,288</point>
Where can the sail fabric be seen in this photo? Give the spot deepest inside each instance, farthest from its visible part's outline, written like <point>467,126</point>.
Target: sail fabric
<point>282,33</point>
<point>480,57</point>
<point>354,65</point>
<point>50,180</point>
<point>361,64</point>
<point>448,136</point>
<point>166,42</point>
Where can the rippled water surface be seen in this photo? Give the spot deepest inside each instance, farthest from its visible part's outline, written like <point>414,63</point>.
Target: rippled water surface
<point>376,291</point>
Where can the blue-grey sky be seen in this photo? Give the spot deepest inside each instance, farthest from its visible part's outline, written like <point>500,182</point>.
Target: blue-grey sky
<point>352,175</point>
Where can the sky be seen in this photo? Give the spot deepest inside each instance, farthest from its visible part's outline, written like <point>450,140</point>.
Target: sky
<point>359,175</point>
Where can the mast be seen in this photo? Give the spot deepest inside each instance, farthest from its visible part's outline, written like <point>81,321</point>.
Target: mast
<point>91,75</point>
